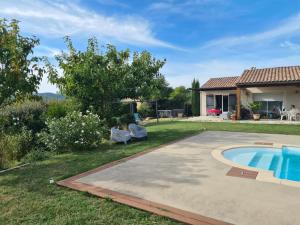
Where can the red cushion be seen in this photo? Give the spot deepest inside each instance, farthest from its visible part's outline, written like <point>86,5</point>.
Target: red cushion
<point>215,111</point>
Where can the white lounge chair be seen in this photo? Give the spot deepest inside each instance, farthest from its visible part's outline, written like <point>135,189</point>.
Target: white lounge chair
<point>293,114</point>
<point>119,135</point>
<point>283,114</point>
<point>137,131</point>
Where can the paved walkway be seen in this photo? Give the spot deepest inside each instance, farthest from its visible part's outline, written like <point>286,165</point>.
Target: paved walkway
<point>218,119</point>
<point>184,175</point>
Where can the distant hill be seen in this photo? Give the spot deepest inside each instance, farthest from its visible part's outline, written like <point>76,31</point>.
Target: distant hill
<point>51,96</point>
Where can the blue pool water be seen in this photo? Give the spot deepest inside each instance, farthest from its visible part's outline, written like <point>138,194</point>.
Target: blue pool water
<point>285,162</point>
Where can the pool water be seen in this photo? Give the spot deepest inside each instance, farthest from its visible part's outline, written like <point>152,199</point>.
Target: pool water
<point>285,162</point>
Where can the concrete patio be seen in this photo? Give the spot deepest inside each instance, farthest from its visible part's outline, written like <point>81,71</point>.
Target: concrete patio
<point>218,119</point>
<point>185,176</point>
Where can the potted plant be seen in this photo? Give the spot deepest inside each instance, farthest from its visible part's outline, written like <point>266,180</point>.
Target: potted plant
<point>255,107</point>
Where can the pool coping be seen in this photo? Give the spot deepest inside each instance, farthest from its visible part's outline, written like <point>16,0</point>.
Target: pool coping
<point>263,175</point>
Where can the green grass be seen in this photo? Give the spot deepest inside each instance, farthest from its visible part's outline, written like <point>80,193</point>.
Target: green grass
<point>26,197</point>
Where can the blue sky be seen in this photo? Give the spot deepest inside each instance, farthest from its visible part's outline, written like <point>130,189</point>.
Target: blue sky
<point>199,38</point>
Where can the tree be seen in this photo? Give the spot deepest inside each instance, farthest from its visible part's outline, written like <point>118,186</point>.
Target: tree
<point>179,97</point>
<point>20,74</point>
<point>98,80</point>
<point>144,80</point>
<point>195,98</point>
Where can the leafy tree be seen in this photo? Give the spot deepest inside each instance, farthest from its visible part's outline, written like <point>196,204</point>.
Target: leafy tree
<point>195,98</point>
<point>99,79</point>
<point>20,74</point>
<point>144,80</point>
<point>179,97</point>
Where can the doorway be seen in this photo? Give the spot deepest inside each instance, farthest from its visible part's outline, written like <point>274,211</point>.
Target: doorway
<point>222,102</point>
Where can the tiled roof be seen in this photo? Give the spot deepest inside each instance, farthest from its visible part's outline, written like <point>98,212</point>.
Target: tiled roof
<point>276,75</point>
<point>220,83</point>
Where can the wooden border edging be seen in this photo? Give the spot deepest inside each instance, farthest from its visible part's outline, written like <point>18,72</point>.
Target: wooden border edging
<point>142,204</point>
<point>13,168</point>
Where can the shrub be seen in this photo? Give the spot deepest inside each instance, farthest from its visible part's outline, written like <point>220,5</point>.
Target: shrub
<point>28,114</point>
<point>245,113</point>
<point>75,131</point>
<point>255,107</point>
<point>14,147</point>
<point>122,121</point>
<point>36,155</point>
<point>58,109</point>
<point>145,110</point>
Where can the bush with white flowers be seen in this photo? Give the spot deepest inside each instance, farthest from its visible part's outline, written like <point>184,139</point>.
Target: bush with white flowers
<point>75,131</point>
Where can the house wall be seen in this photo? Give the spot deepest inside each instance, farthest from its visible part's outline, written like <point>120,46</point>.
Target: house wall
<point>290,95</point>
<point>203,94</point>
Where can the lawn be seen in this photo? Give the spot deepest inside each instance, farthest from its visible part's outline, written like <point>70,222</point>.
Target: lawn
<point>26,197</point>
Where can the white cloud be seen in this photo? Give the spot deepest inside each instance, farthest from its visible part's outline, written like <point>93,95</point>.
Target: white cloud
<point>113,3</point>
<point>57,19</point>
<point>45,86</point>
<point>181,6</point>
<point>196,9</point>
<point>43,50</point>
<point>287,28</point>
<point>290,45</point>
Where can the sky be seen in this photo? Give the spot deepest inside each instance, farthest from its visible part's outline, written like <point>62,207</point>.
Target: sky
<point>199,38</point>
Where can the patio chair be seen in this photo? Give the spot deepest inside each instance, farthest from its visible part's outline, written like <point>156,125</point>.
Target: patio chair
<point>137,131</point>
<point>137,118</point>
<point>118,135</point>
<point>293,114</point>
<point>283,114</point>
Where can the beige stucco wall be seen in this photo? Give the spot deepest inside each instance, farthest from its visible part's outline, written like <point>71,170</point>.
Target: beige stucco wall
<point>216,92</point>
<point>291,95</point>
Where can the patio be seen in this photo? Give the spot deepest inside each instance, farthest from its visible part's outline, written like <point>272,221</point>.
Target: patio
<point>183,181</point>
<point>219,119</point>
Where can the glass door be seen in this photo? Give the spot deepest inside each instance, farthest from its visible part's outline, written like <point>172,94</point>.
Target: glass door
<point>225,103</point>
<point>219,102</point>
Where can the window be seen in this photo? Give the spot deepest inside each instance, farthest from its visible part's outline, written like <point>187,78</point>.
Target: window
<point>225,103</point>
<point>270,109</point>
<point>210,102</point>
<point>232,102</point>
<point>271,104</point>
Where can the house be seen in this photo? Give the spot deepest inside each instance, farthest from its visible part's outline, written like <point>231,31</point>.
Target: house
<point>276,88</point>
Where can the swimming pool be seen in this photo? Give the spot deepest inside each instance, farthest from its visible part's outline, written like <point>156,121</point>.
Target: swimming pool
<point>284,162</point>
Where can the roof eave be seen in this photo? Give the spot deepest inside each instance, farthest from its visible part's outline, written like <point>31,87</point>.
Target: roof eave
<point>217,88</point>
<point>268,84</point>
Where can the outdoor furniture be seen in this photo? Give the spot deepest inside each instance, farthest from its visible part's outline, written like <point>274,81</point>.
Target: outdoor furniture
<point>293,114</point>
<point>164,113</point>
<point>214,112</point>
<point>137,131</point>
<point>283,114</point>
<point>137,118</point>
<point>224,116</point>
<point>177,112</point>
<point>118,135</point>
